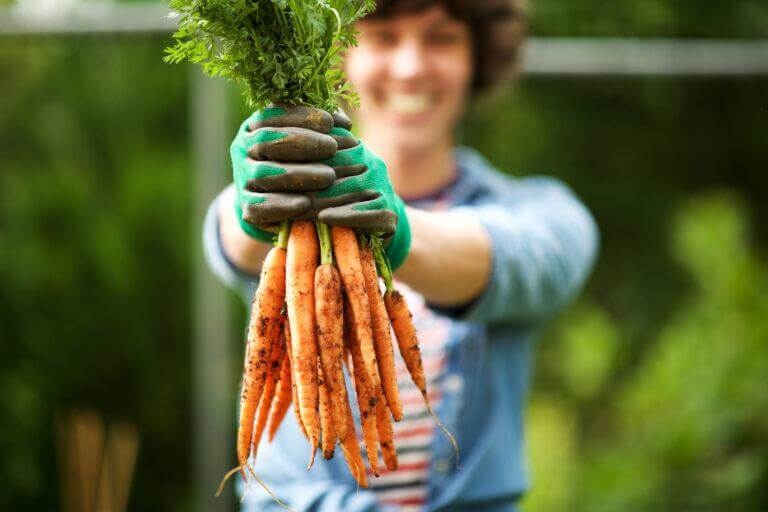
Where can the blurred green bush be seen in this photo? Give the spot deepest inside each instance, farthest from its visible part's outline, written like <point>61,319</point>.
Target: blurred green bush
<point>95,254</point>
<point>687,427</point>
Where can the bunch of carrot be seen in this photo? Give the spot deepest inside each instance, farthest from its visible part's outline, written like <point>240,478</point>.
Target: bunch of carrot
<point>318,307</point>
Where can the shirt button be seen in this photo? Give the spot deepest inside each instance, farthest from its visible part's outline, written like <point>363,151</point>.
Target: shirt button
<point>442,465</point>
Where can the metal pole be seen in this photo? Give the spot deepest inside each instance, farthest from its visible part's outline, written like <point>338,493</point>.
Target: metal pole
<point>35,18</point>
<point>212,392</point>
<point>664,57</point>
<point>544,56</point>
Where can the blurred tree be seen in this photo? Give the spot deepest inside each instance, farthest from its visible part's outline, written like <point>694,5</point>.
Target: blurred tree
<point>94,258</point>
<point>651,18</point>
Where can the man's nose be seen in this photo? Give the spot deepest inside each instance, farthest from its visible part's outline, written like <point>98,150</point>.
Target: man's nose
<point>409,61</point>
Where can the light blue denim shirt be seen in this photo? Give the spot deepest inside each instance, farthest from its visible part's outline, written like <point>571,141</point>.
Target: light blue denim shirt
<point>544,244</point>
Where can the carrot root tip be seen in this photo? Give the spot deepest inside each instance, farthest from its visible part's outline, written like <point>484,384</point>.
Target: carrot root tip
<point>445,430</point>
<point>266,488</point>
<point>227,476</point>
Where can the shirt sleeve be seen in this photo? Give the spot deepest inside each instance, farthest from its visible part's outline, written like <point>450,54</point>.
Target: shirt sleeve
<point>544,244</point>
<point>231,275</point>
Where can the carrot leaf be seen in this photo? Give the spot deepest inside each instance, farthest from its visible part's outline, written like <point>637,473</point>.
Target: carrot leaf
<point>281,51</point>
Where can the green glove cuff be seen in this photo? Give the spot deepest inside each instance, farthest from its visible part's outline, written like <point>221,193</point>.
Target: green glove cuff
<point>400,243</point>
<point>250,229</point>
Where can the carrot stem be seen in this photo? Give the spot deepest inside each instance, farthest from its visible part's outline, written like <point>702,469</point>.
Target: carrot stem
<point>382,262</point>
<point>326,247</point>
<point>282,235</point>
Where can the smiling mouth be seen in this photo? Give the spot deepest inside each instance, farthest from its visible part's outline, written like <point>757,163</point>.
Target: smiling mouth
<point>410,103</point>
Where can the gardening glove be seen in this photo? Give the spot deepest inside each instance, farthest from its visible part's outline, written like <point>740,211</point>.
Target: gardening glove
<point>276,159</point>
<point>362,196</point>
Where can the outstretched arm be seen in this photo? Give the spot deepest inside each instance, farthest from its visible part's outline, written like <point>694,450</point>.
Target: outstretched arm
<point>519,256</point>
<point>450,258</point>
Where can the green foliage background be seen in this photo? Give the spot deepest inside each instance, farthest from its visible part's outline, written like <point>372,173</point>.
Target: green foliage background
<point>649,392</point>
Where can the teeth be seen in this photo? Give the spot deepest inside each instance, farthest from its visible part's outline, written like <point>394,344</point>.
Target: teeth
<point>409,103</point>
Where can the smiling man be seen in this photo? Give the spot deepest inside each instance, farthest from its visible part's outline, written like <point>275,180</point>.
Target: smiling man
<point>485,259</point>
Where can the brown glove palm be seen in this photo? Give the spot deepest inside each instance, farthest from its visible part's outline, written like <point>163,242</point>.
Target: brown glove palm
<point>276,160</point>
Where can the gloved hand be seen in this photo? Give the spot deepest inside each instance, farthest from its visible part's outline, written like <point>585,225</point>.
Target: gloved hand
<point>362,196</point>
<point>286,166</point>
<point>276,159</point>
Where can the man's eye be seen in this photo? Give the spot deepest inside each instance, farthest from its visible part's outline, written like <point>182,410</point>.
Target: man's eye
<point>382,38</point>
<point>444,38</point>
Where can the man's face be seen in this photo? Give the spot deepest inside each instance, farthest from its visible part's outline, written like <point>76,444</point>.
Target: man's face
<point>412,72</point>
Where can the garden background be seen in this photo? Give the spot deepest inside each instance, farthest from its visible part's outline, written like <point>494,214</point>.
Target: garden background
<point>649,391</point>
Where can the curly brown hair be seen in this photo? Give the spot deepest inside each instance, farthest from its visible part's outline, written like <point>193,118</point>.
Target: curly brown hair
<point>498,28</point>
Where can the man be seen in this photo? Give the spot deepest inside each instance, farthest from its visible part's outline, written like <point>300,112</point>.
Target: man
<point>486,260</point>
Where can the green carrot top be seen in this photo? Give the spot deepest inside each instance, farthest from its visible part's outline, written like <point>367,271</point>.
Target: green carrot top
<point>282,51</point>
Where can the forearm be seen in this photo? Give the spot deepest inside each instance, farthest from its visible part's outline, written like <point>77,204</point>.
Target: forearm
<point>242,250</point>
<point>450,258</point>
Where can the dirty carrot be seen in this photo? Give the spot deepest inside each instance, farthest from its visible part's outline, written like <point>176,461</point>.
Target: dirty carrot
<point>330,326</point>
<point>267,397</point>
<point>328,435</point>
<point>282,398</point>
<point>405,333</point>
<point>401,319</point>
<point>366,401</point>
<point>347,252</point>
<point>263,331</point>
<point>349,446</point>
<point>386,436</point>
<point>385,356</point>
<point>301,262</point>
<point>294,387</point>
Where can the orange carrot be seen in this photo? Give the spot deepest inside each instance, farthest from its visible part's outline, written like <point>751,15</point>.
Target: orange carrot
<point>273,373</point>
<point>303,252</point>
<point>366,402</point>
<point>330,326</point>
<point>294,387</point>
<point>347,252</point>
<point>402,324</point>
<point>349,446</point>
<point>382,338</point>
<point>326,417</point>
<point>386,436</point>
<point>282,398</point>
<point>263,331</point>
<point>405,332</point>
